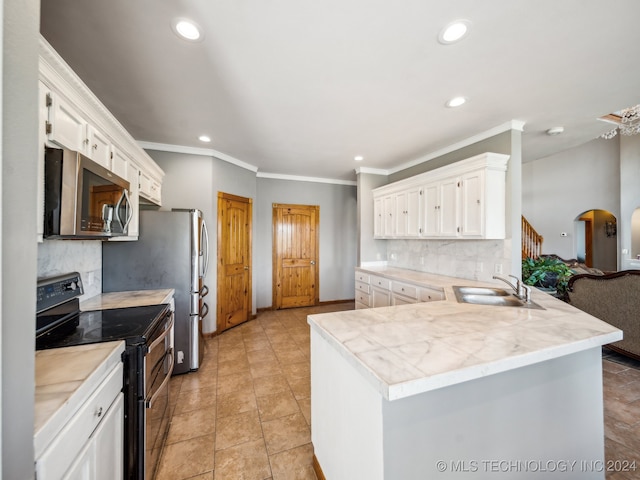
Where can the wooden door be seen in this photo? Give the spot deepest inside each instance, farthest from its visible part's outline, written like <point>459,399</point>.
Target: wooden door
<point>234,260</point>
<point>295,255</point>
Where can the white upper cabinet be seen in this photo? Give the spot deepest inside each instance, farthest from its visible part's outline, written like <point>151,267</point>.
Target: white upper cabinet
<point>67,126</point>
<point>72,117</point>
<point>99,148</point>
<point>462,200</point>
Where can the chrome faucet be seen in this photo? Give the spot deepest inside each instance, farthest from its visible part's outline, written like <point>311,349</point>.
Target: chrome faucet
<point>523,292</point>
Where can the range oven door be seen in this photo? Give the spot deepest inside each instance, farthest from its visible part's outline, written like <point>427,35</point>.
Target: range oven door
<point>158,369</point>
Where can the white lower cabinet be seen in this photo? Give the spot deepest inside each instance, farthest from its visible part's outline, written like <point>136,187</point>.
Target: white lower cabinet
<point>90,445</point>
<point>373,291</point>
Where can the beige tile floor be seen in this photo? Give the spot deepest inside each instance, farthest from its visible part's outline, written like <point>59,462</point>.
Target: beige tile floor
<point>246,413</point>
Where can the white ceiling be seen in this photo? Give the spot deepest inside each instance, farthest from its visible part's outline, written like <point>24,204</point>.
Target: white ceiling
<point>300,87</point>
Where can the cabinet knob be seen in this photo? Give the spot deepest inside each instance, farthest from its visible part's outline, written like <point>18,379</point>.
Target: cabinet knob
<point>95,146</point>
<point>99,412</point>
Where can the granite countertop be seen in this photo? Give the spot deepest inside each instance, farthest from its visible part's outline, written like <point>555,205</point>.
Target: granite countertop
<point>64,379</point>
<point>132,298</point>
<point>410,349</point>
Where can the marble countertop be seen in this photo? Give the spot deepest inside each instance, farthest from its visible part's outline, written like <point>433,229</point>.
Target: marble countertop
<point>65,377</point>
<point>410,349</point>
<point>132,298</point>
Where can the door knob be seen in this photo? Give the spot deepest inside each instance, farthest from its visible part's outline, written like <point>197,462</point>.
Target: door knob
<point>246,267</point>
<point>313,262</point>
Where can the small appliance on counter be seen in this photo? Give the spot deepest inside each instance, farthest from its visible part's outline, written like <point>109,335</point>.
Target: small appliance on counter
<point>171,252</point>
<point>148,360</point>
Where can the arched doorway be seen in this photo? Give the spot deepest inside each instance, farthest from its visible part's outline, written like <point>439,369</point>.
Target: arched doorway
<point>635,234</point>
<point>596,239</point>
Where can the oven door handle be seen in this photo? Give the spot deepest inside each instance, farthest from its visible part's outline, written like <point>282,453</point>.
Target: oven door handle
<point>165,381</point>
<point>161,338</point>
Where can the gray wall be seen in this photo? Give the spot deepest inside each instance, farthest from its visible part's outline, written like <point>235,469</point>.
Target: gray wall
<point>193,181</point>
<point>338,233</point>
<point>18,154</point>
<point>559,188</point>
<point>369,250</point>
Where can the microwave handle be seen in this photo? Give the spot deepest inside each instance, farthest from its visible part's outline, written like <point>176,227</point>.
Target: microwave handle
<point>129,209</point>
<point>125,195</point>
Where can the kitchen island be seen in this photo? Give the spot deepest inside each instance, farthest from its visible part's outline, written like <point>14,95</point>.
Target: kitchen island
<point>450,390</point>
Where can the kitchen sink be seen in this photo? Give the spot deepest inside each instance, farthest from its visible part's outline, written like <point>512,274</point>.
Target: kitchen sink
<point>491,296</point>
<point>481,291</point>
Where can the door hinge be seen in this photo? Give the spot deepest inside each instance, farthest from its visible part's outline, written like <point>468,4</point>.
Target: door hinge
<point>48,100</point>
<point>47,127</point>
<point>458,229</point>
<point>111,155</point>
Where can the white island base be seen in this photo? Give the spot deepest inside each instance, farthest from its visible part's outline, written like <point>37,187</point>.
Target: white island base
<point>543,420</point>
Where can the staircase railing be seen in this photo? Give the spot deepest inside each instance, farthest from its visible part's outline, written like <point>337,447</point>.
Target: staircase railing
<point>531,240</point>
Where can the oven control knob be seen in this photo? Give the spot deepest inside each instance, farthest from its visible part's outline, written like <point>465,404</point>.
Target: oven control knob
<point>71,286</point>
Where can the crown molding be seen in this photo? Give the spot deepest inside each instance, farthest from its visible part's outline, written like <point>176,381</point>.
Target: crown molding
<point>517,125</point>
<point>373,171</point>
<point>207,152</point>
<point>297,178</point>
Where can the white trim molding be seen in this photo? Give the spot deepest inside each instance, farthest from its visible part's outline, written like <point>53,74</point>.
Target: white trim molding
<point>297,178</point>
<point>207,152</point>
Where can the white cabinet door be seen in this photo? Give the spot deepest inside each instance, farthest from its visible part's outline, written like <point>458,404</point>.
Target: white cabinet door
<point>471,206</point>
<point>441,208</point>
<point>83,467</point>
<point>119,162</point>
<point>380,297</point>
<point>449,208</point>
<point>43,119</point>
<point>68,128</point>
<point>389,211</point>
<point>99,147</point>
<point>400,213</point>
<point>431,210</point>
<point>108,441</point>
<point>378,212</point>
<point>414,212</point>
<point>149,188</point>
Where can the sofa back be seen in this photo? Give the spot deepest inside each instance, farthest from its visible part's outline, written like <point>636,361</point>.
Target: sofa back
<point>613,298</point>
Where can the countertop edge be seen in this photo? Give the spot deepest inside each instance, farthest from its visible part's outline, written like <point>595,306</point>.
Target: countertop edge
<point>50,427</point>
<point>428,382</point>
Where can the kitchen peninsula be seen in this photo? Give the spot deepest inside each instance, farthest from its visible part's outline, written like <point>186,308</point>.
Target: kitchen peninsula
<point>442,389</point>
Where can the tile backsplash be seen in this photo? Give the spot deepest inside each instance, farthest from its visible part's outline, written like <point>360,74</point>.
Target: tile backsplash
<point>56,257</point>
<point>471,259</point>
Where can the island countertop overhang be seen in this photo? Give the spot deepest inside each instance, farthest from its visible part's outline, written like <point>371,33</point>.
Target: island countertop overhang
<point>410,349</point>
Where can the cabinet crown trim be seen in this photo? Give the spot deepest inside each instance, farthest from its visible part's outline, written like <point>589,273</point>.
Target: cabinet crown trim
<point>487,160</point>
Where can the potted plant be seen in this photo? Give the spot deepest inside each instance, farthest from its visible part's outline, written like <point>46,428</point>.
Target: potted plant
<point>546,273</point>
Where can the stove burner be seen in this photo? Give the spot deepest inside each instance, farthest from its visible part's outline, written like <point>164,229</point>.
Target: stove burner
<point>133,324</point>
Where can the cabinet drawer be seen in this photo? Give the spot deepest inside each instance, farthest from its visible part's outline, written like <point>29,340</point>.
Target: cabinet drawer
<point>60,454</point>
<point>362,287</point>
<point>363,298</point>
<point>405,289</point>
<point>430,294</point>
<point>362,277</point>
<point>379,282</point>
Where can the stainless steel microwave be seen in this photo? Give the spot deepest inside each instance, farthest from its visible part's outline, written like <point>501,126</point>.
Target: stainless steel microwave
<point>82,198</point>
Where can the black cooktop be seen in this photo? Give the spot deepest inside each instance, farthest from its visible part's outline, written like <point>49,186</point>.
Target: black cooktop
<point>134,325</point>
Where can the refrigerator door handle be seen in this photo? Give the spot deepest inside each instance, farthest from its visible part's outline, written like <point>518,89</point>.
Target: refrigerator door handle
<point>205,248</point>
<point>205,309</point>
<point>204,291</point>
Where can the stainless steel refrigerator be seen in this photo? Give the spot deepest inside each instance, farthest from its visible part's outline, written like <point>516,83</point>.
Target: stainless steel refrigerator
<point>171,252</point>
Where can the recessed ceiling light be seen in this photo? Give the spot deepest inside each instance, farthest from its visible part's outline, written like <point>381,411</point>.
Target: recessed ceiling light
<point>187,29</point>
<point>204,138</point>
<point>555,131</point>
<point>454,32</point>
<point>456,102</point>
<point>358,158</point>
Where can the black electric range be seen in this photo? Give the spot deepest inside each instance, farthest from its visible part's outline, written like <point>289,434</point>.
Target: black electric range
<point>148,360</point>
